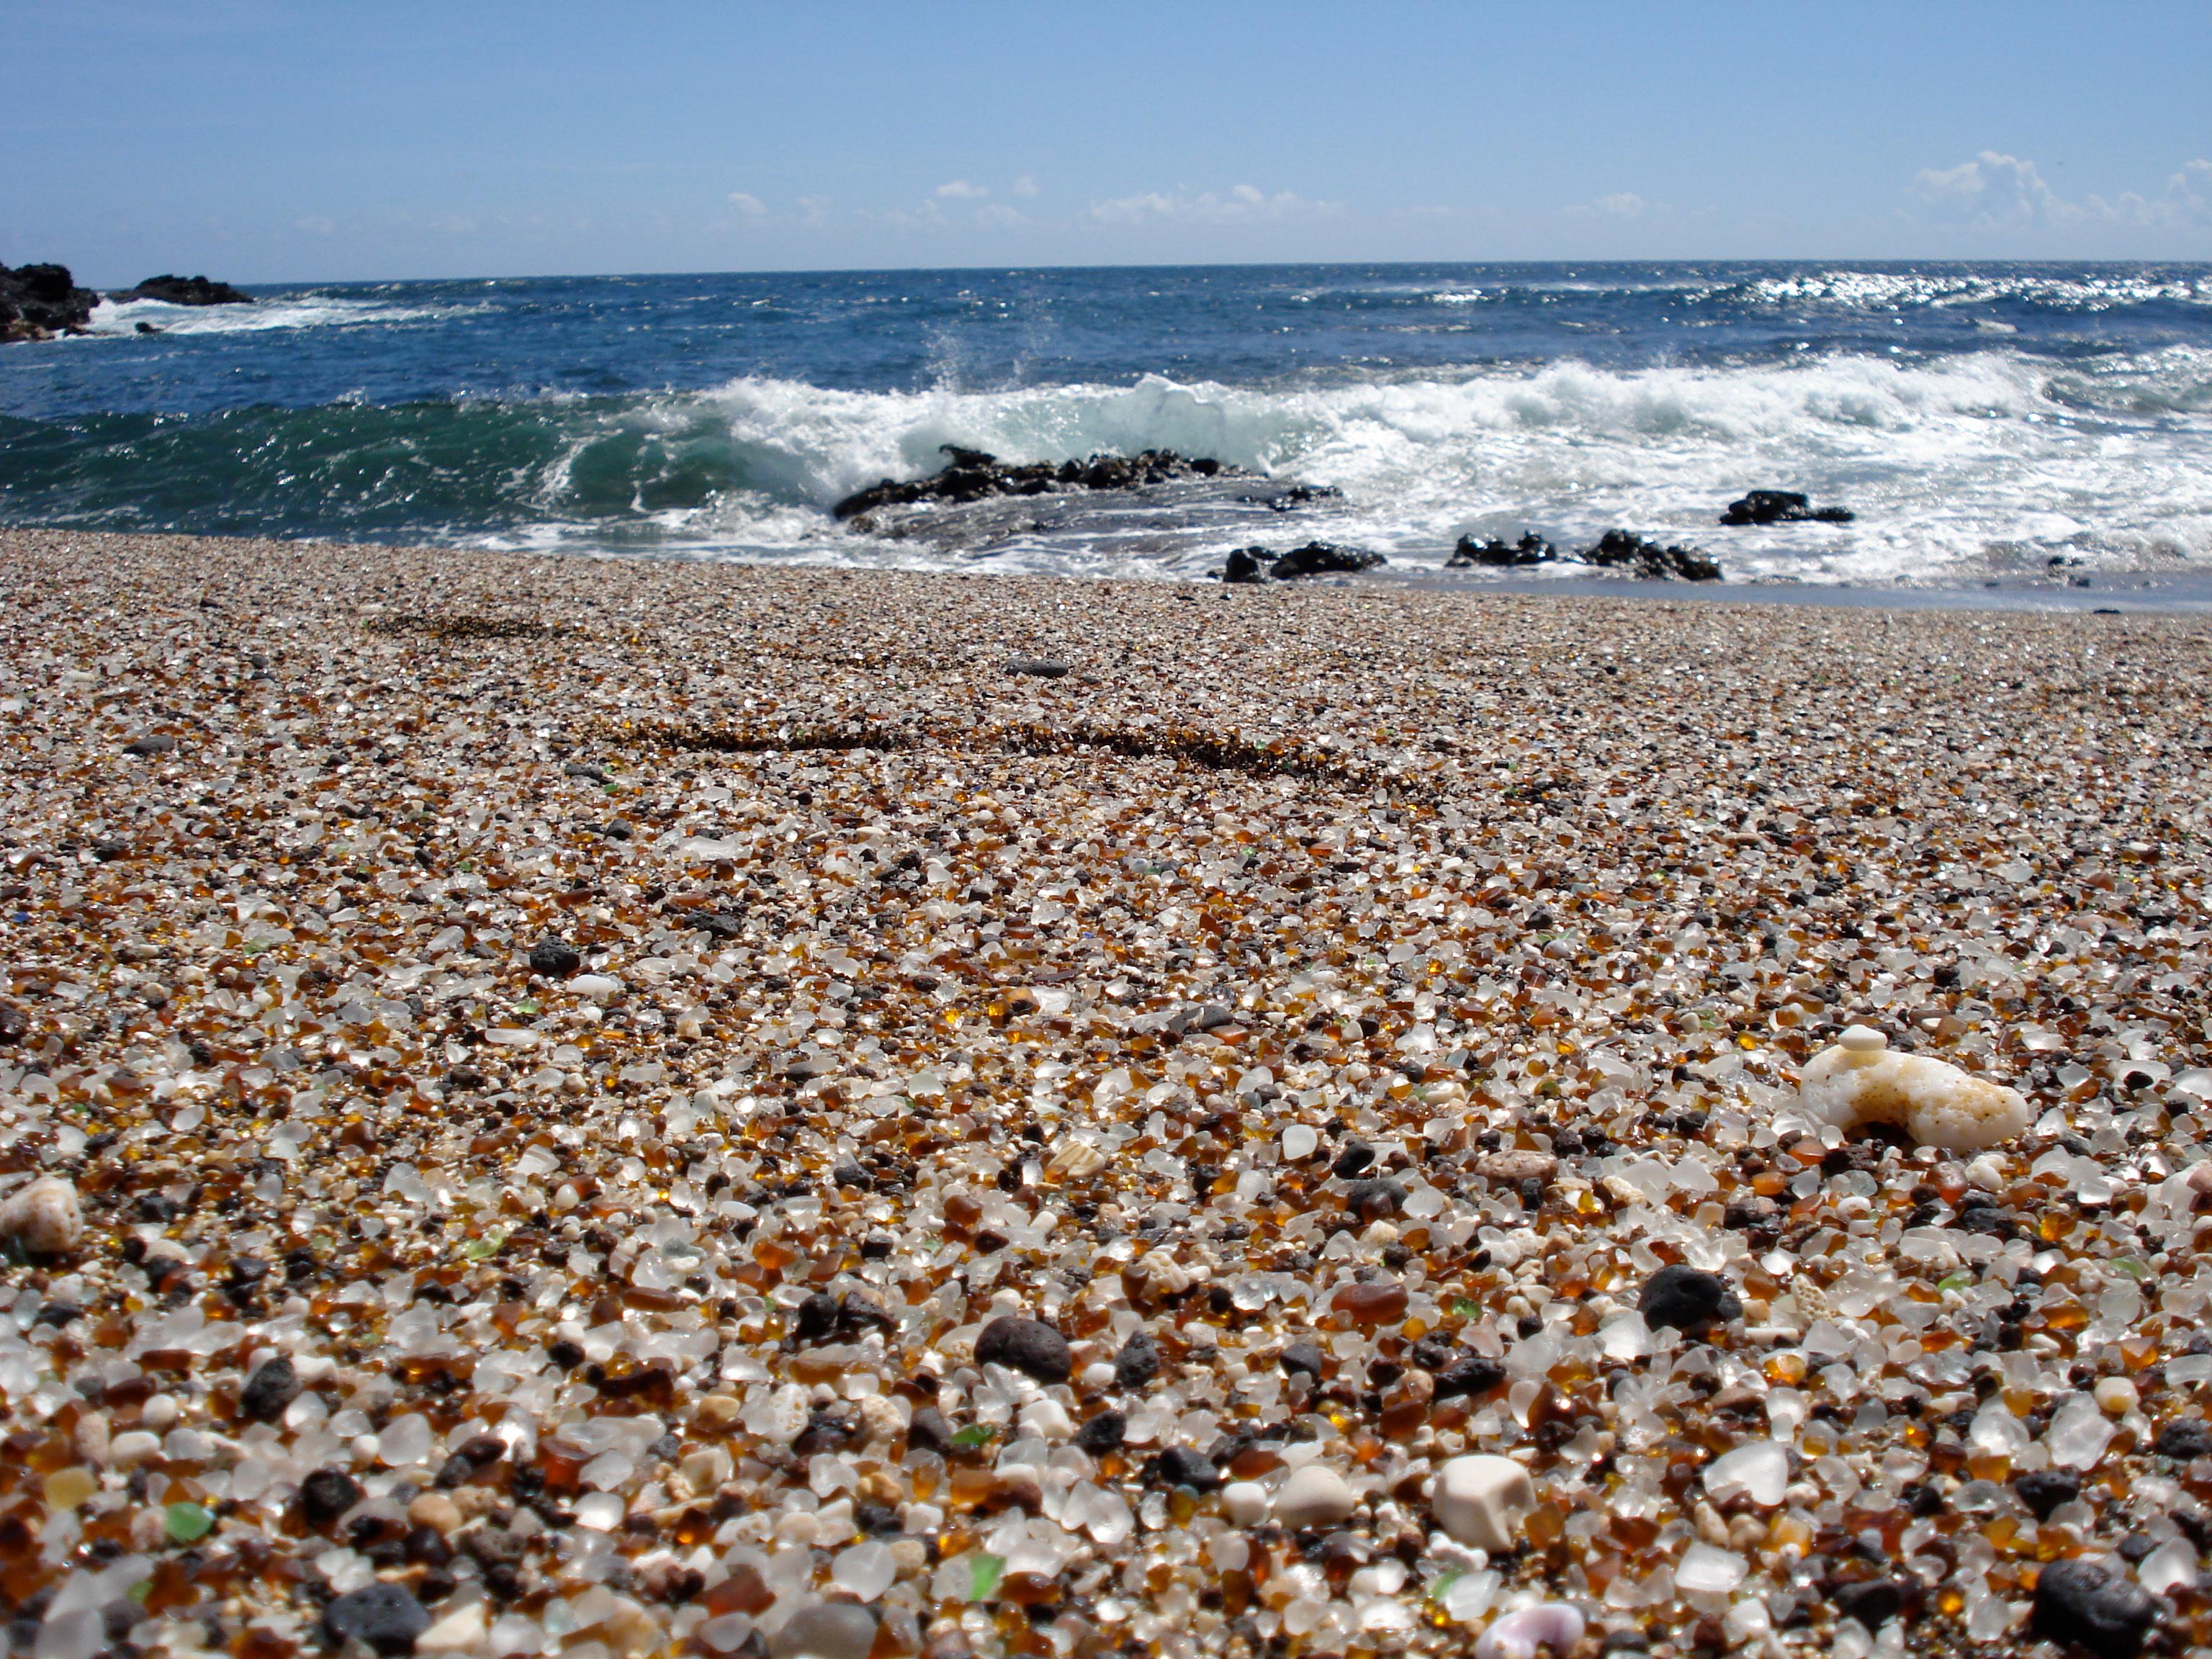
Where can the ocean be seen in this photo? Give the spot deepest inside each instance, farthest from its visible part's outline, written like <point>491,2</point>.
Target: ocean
<point>2041,429</point>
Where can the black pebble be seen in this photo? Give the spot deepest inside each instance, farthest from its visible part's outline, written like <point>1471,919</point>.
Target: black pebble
<point>386,1617</point>
<point>1685,1298</point>
<point>1356,1158</point>
<point>1873,1603</point>
<point>2185,1437</point>
<point>555,958</point>
<point>269,1391</point>
<point>2045,1490</point>
<point>327,1494</point>
<point>1179,1466</point>
<point>1305,1359</point>
<point>929,1432</point>
<point>1137,1363</point>
<point>2094,1605</point>
<point>817,1317</point>
<point>1103,1433</point>
<point>1028,1346</point>
<point>1471,1374</point>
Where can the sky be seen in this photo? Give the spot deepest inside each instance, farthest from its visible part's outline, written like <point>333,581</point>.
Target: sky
<point>333,140</point>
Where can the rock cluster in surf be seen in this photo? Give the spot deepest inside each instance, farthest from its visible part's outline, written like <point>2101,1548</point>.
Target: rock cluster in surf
<point>971,475</point>
<point>1616,550</point>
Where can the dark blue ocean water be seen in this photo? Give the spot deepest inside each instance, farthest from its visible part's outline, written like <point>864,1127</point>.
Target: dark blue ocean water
<point>1982,421</point>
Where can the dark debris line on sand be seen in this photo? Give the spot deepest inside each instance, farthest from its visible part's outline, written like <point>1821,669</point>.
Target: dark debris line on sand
<point>747,1128</point>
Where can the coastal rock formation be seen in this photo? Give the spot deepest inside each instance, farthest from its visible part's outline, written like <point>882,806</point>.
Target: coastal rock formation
<point>970,475</point>
<point>39,301</point>
<point>1781,507</point>
<point>1617,549</point>
<point>1258,564</point>
<point>1496,552</point>
<point>186,291</point>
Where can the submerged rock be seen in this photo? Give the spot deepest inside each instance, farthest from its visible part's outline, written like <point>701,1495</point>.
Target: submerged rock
<point>970,475</point>
<point>1781,507</point>
<point>186,291</point>
<point>1858,1081</point>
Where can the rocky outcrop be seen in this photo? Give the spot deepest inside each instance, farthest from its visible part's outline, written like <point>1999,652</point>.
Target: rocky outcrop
<point>39,301</point>
<point>1616,550</point>
<point>1497,553</point>
<point>1258,564</point>
<point>1622,549</point>
<point>970,475</point>
<point>1781,507</point>
<point>186,291</point>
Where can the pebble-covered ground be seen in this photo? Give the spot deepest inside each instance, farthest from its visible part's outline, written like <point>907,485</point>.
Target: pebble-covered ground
<point>530,1086</point>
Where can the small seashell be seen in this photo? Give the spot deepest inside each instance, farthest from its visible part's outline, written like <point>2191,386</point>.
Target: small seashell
<point>1522,1634</point>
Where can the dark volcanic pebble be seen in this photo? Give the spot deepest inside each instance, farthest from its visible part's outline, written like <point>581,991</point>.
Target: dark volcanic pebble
<point>1686,1298</point>
<point>269,1391</point>
<point>2185,1437</point>
<point>1028,1346</point>
<point>1103,1433</point>
<point>1304,1358</point>
<point>2045,1490</point>
<point>1180,1466</point>
<point>327,1494</point>
<point>1137,1363</point>
<point>2093,1605</point>
<point>555,958</point>
<point>386,1617</point>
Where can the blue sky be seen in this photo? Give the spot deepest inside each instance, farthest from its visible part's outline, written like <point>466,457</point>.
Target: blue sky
<point>330,139</point>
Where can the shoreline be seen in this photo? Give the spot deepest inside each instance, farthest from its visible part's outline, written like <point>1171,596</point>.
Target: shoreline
<point>570,1057</point>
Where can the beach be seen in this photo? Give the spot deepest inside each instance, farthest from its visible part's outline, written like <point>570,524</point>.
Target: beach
<point>562,1060</point>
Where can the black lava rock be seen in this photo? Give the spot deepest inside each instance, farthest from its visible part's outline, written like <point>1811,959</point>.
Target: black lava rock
<point>269,1391</point>
<point>1625,549</point>
<point>1471,1374</point>
<point>817,1318</point>
<point>1304,1358</point>
<point>1137,1363</point>
<point>1781,507</point>
<point>1370,1200</point>
<point>1498,554</point>
<point>929,1431</point>
<point>1356,1159</point>
<point>2044,1489</point>
<point>1686,1298</point>
<point>1103,1433</point>
<point>1043,668</point>
<point>2093,1604</point>
<point>39,302</point>
<point>1873,1603</point>
<point>147,748</point>
<point>186,291</point>
<point>1179,1466</point>
<point>555,958</point>
<point>1324,559</point>
<point>1028,1346</point>
<point>386,1617</point>
<point>327,1494</point>
<point>970,475</point>
<point>1247,565</point>
<point>2184,1437</point>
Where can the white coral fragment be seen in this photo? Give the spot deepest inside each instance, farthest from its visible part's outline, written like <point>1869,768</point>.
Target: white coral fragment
<point>1859,1081</point>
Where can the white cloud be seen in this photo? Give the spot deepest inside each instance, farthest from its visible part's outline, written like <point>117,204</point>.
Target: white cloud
<point>317,224</point>
<point>1999,193</point>
<point>751,206</point>
<point>1624,206</point>
<point>1024,185</point>
<point>813,211</point>
<point>959,189</point>
<point>1243,205</point>
<point>1993,192</point>
<point>997,215</point>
